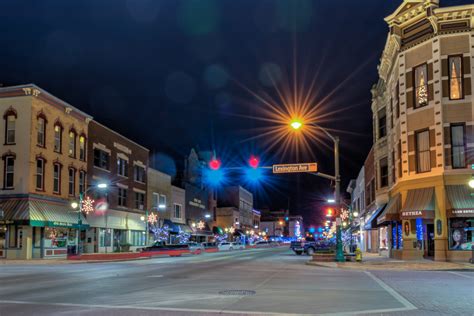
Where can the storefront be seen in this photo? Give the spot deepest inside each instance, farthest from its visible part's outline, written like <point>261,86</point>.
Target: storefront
<point>390,228</point>
<point>372,229</point>
<point>460,222</point>
<point>3,239</point>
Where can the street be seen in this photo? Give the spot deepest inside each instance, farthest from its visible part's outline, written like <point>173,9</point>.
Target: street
<point>256,281</point>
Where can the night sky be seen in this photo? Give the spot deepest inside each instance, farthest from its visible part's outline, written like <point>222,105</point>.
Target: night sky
<point>173,74</point>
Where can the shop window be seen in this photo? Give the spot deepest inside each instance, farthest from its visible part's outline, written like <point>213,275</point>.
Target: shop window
<point>57,178</point>
<point>139,200</point>
<point>455,78</point>
<point>9,175</point>
<point>177,211</point>
<point>37,235</point>
<point>460,233</point>
<point>101,159</point>
<point>122,197</point>
<point>58,134</point>
<point>105,237</point>
<point>423,158</point>
<point>39,174</point>
<point>139,173</point>
<point>10,127</point>
<point>162,202</point>
<point>72,181</point>
<point>137,238</point>
<point>383,172</point>
<point>82,181</point>
<point>82,148</point>
<point>3,237</point>
<point>382,120</point>
<point>122,167</point>
<point>458,146</point>
<point>421,85</point>
<point>41,131</point>
<point>72,144</point>
<point>55,237</point>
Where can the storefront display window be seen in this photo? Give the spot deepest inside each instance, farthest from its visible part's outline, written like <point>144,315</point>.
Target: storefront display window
<point>105,237</point>
<point>461,234</point>
<point>3,236</point>
<point>55,237</point>
<point>37,237</point>
<point>383,234</point>
<point>138,238</point>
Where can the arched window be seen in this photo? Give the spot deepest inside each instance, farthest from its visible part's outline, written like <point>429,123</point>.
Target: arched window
<point>10,117</point>
<point>58,137</point>
<point>82,147</point>
<point>72,143</point>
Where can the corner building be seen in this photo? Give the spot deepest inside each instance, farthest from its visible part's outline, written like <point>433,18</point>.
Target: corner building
<point>423,118</point>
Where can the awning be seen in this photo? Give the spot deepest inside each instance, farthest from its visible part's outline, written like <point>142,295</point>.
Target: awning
<point>462,202</point>
<point>371,223</point>
<point>109,219</point>
<point>41,212</point>
<point>419,204</point>
<point>391,211</point>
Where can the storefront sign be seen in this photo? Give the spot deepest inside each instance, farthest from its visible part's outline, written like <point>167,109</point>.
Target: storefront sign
<point>461,213</point>
<point>417,214</point>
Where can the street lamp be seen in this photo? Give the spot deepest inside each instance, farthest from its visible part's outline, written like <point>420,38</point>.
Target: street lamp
<point>355,214</point>
<point>471,183</point>
<point>297,124</point>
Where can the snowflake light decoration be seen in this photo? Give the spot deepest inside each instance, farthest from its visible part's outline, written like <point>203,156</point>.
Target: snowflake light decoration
<point>344,215</point>
<point>152,218</point>
<point>87,205</point>
<point>231,230</point>
<point>201,225</point>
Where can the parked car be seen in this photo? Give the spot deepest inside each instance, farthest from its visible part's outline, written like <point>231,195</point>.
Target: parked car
<point>239,246</point>
<point>262,244</point>
<point>161,246</point>
<point>224,246</point>
<point>195,247</point>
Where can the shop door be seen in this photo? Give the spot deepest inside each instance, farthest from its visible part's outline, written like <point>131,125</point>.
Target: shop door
<point>430,240</point>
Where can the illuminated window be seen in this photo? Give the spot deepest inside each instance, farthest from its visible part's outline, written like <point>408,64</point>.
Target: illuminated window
<point>72,144</point>
<point>82,148</point>
<point>423,151</point>
<point>58,132</point>
<point>455,78</point>
<point>421,86</point>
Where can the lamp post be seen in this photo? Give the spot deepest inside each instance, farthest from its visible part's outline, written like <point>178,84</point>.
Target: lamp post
<point>79,205</point>
<point>296,124</point>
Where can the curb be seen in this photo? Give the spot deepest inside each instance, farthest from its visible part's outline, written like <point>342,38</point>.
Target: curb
<point>336,265</point>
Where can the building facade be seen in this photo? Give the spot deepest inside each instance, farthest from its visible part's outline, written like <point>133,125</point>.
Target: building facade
<point>122,164</point>
<point>423,118</point>
<point>241,199</point>
<point>44,153</point>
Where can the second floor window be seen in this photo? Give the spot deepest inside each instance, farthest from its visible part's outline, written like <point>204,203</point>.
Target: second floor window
<point>10,129</point>
<point>139,173</point>
<point>41,126</point>
<point>82,181</point>
<point>122,167</point>
<point>155,200</point>
<point>39,174</point>
<point>139,200</point>
<point>82,148</point>
<point>58,133</point>
<point>423,159</point>
<point>9,172</point>
<point>162,202</point>
<point>177,211</point>
<point>458,146</point>
<point>455,78</point>
<point>382,120</point>
<point>72,144</point>
<point>57,178</point>
<point>72,181</point>
<point>122,197</point>
<point>383,172</point>
<point>421,85</point>
<point>101,159</point>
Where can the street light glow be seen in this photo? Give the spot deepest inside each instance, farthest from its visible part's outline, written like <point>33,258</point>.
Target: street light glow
<point>296,124</point>
<point>355,214</point>
<point>207,216</point>
<point>74,205</point>
<point>102,185</point>
<point>471,183</point>
<point>331,201</point>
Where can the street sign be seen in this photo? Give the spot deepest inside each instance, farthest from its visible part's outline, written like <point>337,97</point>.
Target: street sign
<point>296,168</point>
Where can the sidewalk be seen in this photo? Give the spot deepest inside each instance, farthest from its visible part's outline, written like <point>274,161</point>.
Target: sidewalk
<point>377,262</point>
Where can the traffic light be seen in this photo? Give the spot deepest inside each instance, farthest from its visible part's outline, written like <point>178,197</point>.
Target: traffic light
<point>215,164</point>
<point>254,162</point>
<point>329,212</point>
<point>214,175</point>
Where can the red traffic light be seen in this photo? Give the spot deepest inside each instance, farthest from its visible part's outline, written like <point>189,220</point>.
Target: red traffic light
<point>215,164</point>
<point>254,162</point>
<point>329,212</point>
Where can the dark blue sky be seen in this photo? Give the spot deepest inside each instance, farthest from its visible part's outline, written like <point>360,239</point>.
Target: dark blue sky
<point>169,74</point>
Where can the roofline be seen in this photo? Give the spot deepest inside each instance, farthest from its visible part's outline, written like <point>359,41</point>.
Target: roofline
<point>158,171</point>
<point>62,102</point>
<point>118,134</point>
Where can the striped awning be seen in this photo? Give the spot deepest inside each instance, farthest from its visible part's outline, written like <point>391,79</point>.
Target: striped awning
<point>391,211</point>
<point>419,204</point>
<point>461,199</point>
<point>41,212</point>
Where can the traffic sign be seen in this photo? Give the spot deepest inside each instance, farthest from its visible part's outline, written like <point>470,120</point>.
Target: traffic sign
<point>295,168</point>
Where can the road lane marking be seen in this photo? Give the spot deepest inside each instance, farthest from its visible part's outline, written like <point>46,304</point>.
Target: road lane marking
<point>391,291</point>
<point>461,275</point>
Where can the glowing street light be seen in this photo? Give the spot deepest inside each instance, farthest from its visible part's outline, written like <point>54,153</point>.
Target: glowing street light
<point>331,201</point>
<point>296,124</point>
<point>355,214</point>
<point>102,185</point>
<point>471,183</point>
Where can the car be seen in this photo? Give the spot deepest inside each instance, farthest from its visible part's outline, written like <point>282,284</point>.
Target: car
<point>162,246</point>
<point>223,246</point>
<point>195,247</point>
<point>262,244</point>
<point>239,245</point>
<point>309,246</point>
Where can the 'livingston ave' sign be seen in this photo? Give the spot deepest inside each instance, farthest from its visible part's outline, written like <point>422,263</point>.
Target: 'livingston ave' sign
<point>297,167</point>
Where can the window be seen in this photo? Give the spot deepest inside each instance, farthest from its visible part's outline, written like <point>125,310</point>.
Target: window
<point>9,172</point>
<point>461,233</point>
<point>391,113</point>
<point>137,238</point>
<point>139,173</point>
<point>10,129</point>
<point>177,211</point>
<point>41,126</point>
<point>399,150</point>
<point>397,96</point>
<point>421,85</point>
<point>458,146</point>
<point>101,159</point>
<point>82,148</point>
<point>139,200</point>
<point>383,172</point>
<point>72,181</point>
<point>82,181</point>
<point>455,78</point>
<point>39,174</point>
<point>58,134</point>
<point>382,119</point>
<point>72,144</point>
<point>423,151</point>
<point>122,197</point>
<point>162,202</point>
<point>122,167</point>
<point>56,178</point>
<point>155,200</point>
<point>394,174</point>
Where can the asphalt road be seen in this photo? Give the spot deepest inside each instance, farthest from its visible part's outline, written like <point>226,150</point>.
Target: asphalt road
<point>256,282</point>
